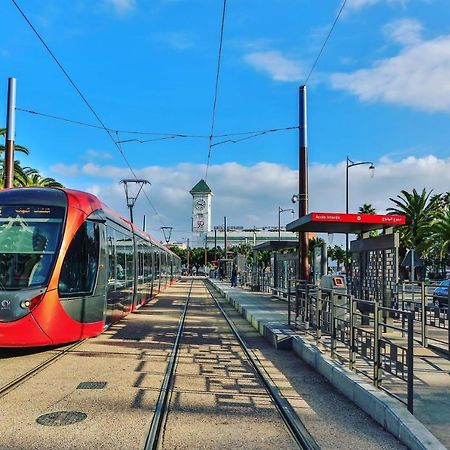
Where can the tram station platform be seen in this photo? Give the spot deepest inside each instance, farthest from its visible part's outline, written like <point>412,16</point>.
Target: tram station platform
<point>428,428</point>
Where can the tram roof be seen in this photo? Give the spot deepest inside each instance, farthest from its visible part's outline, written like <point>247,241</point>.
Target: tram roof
<point>328,222</point>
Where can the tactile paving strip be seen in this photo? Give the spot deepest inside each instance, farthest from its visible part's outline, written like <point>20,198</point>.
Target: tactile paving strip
<point>59,418</point>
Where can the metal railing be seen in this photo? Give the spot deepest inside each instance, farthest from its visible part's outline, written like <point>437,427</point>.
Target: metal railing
<point>373,340</point>
<point>431,322</point>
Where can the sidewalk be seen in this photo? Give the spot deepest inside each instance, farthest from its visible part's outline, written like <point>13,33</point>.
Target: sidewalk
<point>431,374</point>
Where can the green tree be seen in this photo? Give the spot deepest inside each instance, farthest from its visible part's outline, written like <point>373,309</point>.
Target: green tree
<point>338,254</point>
<point>438,239</point>
<point>32,178</point>
<point>367,208</point>
<point>25,176</point>
<point>420,210</point>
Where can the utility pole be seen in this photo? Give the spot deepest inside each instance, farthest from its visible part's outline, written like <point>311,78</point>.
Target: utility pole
<point>10,134</point>
<point>303,269</point>
<point>215,244</point>
<point>225,234</point>
<point>206,250</point>
<point>131,199</point>
<point>188,251</point>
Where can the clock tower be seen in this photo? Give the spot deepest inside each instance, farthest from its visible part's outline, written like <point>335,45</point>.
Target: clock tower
<point>201,207</point>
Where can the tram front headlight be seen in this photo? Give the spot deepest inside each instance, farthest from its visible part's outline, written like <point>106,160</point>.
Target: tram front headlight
<point>32,303</point>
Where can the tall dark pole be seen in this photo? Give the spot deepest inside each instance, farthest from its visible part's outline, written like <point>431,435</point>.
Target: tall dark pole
<point>350,163</point>
<point>10,134</point>
<point>225,234</point>
<point>279,223</point>
<point>346,212</point>
<point>303,270</point>
<point>215,244</point>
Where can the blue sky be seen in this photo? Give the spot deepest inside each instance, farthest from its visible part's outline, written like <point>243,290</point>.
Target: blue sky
<point>381,91</point>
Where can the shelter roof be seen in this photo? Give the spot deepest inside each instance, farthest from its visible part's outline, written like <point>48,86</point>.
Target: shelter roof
<point>344,223</point>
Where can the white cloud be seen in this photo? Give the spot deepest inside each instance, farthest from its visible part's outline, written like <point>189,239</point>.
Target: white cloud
<point>97,154</point>
<point>358,4</point>
<point>419,76</point>
<point>250,195</point>
<point>404,31</point>
<point>277,66</point>
<point>65,170</point>
<point>122,6</point>
<point>175,39</point>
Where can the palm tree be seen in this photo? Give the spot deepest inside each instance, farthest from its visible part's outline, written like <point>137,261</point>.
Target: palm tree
<point>419,209</point>
<point>367,208</point>
<point>337,254</point>
<point>32,178</point>
<point>439,237</point>
<point>25,176</point>
<point>19,148</point>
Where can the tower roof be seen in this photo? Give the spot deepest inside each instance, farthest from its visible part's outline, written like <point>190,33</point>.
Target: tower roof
<point>201,188</point>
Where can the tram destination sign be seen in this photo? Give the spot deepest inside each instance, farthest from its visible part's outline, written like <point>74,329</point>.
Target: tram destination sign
<point>328,222</point>
<point>382,219</point>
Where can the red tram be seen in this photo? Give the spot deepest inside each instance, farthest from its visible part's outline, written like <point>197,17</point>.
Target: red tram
<point>70,267</point>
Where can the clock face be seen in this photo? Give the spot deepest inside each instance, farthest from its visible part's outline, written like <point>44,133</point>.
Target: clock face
<point>200,203</point>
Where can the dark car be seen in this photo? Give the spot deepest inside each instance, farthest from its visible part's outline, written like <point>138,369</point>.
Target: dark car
<point>440,294</point>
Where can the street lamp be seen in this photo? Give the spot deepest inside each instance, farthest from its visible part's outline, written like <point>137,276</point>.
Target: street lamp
<point>351,163</point>
<point>280,210</point>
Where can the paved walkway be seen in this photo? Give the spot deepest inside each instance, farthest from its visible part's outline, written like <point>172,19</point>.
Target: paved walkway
<point>431,369</point>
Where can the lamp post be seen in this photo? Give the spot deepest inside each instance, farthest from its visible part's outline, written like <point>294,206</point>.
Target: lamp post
<point>351,163</point>
<point>280,210</point>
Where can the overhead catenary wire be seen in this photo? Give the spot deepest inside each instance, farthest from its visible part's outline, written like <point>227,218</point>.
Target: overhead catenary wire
<point>216,89</point>
<point>69,78</point>
<point>161,136</point>
<point>325,42</point>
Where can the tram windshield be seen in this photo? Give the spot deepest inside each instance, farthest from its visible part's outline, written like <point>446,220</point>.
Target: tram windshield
<point>29,239</point>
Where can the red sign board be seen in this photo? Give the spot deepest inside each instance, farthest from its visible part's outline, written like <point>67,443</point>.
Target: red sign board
<point>383,219</point>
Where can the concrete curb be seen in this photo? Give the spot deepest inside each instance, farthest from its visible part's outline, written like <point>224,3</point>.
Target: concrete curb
<point>385,410</point>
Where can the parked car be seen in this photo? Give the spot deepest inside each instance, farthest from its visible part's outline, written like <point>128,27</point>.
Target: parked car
<point>440,294</point>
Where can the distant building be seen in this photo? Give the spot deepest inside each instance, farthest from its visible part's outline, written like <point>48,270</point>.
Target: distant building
<point>240,235</point>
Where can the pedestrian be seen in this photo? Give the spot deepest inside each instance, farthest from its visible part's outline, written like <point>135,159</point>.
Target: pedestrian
<point>234,275</point>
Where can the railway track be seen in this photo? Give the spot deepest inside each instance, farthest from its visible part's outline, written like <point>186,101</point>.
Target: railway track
<point>17,381</point>
<point>294,425</point>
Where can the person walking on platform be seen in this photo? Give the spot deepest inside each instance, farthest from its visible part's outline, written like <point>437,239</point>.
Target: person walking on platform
<point>234,275</point>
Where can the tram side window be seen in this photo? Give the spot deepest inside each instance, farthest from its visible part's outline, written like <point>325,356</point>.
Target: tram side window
<point>79,269</point>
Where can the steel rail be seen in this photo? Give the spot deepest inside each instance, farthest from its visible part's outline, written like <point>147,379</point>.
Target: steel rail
<point>5,389</point>
<point>296,427</point>
<point>159,417</point>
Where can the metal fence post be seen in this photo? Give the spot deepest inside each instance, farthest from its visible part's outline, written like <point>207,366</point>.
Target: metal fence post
<point>289,302</point>
<point>307,307</point>
<point>318,311</point>
<point>332,328</point>
<point>424,315</point>
<point>376,347</point>
<point>297,285</point>
<point>410,362</point>
<point>352,311</point>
